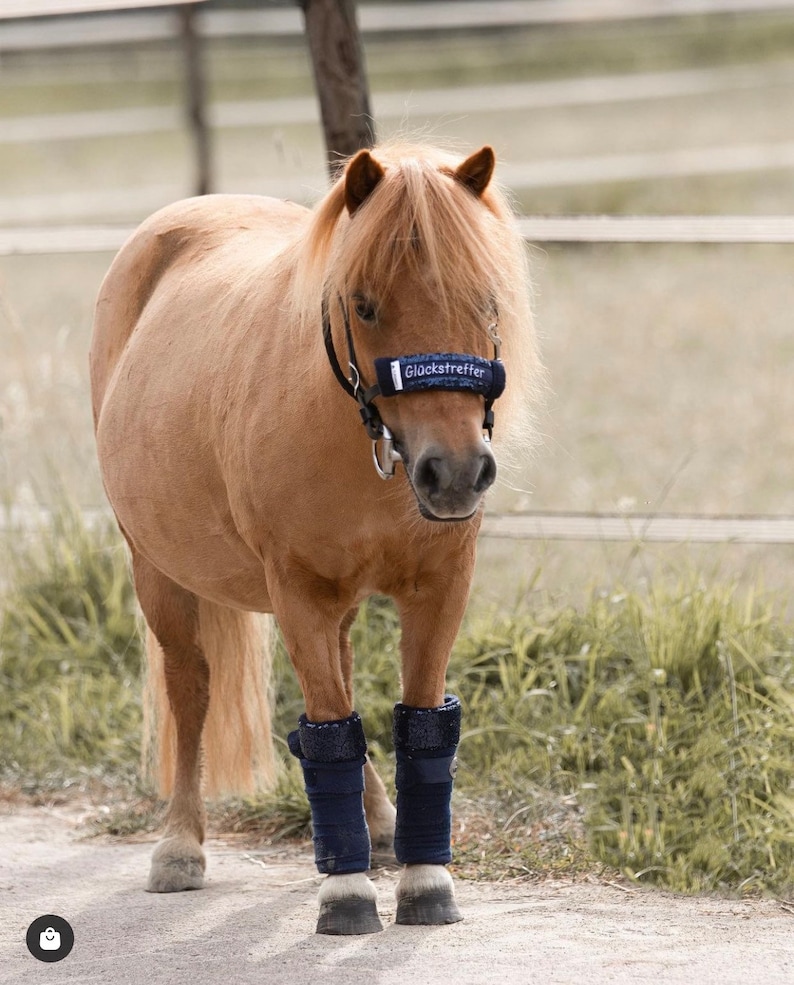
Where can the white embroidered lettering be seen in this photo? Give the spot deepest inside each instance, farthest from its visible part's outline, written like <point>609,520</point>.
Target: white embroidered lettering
<point>404,372</point>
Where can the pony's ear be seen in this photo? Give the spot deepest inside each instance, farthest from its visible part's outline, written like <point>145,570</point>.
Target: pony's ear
<point>476,171</point>
<point>362,175</point>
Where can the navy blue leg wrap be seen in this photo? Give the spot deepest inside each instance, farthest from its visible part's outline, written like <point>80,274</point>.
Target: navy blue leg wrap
<point>332,755</point>
<point>425,740</point>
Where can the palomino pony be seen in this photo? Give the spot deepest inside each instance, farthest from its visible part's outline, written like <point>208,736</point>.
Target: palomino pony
<point>238,344</point>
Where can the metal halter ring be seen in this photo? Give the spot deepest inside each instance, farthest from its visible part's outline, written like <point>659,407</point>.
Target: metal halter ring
<point>389,454</point>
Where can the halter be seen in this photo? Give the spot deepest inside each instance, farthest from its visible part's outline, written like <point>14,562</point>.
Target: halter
<point>411,374</point>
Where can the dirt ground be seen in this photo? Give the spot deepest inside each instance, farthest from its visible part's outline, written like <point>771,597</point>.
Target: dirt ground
<point>255,919</point>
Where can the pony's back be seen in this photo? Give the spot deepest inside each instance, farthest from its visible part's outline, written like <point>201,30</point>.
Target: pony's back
<point>177,236</point>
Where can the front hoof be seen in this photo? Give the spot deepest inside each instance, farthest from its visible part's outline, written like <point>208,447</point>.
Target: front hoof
<point>349,917</point>
<point>348,905</point>
<point>430,910</point>
<point>177,865</point>
<point>426,897</point>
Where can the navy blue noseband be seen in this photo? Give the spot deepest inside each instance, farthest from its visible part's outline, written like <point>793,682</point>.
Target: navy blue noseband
<point>412,374</point>
<point>440,371</point>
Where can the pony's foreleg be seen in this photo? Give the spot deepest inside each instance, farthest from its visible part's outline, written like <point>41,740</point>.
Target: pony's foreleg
<point>378,809</point>
<point>172,615</point>
<point>425,743</point>
<point>330,744</point>
<point>426,735</point>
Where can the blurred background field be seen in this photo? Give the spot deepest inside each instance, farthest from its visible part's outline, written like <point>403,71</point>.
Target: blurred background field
<point>670,365</point>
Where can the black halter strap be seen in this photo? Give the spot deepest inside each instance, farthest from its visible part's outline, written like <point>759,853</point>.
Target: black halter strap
<point>407,374</point>
<point>353,385</point>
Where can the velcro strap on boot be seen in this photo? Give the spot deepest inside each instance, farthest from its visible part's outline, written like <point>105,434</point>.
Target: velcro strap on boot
<point>413,769</point>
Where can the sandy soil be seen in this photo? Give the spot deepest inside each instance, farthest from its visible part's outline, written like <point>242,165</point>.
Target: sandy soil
<point>254,922</point>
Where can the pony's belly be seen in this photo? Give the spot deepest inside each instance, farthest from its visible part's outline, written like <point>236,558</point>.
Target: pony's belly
<point>188,536</point>
<point>211,565</point>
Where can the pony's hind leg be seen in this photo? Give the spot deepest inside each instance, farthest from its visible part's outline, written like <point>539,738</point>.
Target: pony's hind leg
<point>172,616</point>
<point>380,812</point>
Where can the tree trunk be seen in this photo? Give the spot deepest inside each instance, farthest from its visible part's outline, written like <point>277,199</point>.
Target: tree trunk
<point>340,77</point>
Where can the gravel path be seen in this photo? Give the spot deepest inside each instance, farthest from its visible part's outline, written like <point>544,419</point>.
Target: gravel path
<point>254,922</point>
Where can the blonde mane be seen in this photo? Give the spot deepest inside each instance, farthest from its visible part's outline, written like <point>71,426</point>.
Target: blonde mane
<point>469,249</point>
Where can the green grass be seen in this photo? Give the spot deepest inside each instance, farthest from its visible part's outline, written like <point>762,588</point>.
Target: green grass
<point>668,716</point>
<point>70,711</point>
<point>651,733</point>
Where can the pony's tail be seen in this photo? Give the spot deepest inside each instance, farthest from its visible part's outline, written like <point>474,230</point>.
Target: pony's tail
<point>237,749</point>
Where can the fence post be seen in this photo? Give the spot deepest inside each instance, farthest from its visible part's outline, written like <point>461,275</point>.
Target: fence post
<point>340,77</point>
<point>196,96</point>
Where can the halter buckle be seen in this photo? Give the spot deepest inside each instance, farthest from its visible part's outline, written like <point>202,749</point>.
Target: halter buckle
<point>384,463</point>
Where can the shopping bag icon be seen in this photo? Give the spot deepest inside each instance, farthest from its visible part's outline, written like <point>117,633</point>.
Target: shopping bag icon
<point>49,940</point>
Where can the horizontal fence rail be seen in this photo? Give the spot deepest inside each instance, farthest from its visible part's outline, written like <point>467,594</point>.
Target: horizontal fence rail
<point>539,525</point>
<point>435,15</point>
<point>657,527</point>
<point>535,229</point>
<point>659,229</point>
<point>27,9</point>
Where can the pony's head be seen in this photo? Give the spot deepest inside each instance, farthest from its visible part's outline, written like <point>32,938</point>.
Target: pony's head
<point>414,254</point>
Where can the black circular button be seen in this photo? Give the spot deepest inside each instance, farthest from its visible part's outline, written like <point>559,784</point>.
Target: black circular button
<point>50,938</point>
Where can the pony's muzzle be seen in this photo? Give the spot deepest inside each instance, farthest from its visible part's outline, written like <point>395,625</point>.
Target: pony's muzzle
<point>451,487</point>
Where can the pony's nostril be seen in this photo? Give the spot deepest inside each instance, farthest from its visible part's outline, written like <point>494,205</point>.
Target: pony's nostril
<point>486,475</point>
<point>433,475</point>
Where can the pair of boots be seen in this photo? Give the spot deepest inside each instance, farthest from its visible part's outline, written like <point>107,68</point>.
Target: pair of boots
<point>332,755</point>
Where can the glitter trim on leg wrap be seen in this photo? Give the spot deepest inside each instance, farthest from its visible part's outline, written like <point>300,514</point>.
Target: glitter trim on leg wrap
<point>425,740</point>
<point>332,755</point>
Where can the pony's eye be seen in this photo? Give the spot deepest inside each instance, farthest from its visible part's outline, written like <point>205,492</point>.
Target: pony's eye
<point>365,309</point>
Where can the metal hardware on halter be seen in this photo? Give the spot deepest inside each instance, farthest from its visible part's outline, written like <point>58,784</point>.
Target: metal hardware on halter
<point>355,379</point>
<point>493,335</point>
<point>391,456</point>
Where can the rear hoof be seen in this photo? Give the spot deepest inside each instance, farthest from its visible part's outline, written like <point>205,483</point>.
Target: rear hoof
<point>176,866</point>
<point>349,917</point>
<point>431,909</point>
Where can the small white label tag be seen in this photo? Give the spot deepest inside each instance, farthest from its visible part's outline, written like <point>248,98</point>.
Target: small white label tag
<point>396,375</point>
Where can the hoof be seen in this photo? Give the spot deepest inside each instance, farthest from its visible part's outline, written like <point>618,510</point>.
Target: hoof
<point>176,866</point>
<point>426,897</point>
<point>431,909</point>
<point>348,917</point>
